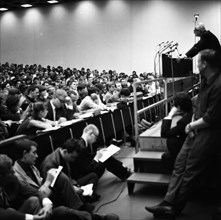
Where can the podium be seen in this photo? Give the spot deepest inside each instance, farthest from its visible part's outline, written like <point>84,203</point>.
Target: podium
<point>171,67</point>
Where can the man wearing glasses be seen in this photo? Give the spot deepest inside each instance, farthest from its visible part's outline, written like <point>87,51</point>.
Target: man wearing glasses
<point>87,162</point>
<point>57,108</point>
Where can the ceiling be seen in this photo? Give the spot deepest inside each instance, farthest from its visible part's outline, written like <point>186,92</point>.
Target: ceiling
<point>16,4</point>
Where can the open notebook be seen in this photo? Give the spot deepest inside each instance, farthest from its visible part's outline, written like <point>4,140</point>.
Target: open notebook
<point>108,152</point>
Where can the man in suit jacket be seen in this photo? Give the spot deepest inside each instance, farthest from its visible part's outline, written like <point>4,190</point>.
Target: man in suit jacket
<point>202,145</point>
<point>207,41</point>
<point>58,108</point>
<point>87,162</point>
<point>18,199</point>
<point>63,156</point>
<point>61,194</point>
<point>21,201</point>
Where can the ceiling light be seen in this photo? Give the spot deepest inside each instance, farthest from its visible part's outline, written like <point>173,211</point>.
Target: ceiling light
<point>26,5</point>
<point>3,9</point>
<point>52,1</point>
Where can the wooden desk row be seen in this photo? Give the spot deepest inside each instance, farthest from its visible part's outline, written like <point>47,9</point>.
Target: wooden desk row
<point>111,124</point>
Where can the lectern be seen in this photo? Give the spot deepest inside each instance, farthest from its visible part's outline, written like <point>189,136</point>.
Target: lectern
<point>172,67</point>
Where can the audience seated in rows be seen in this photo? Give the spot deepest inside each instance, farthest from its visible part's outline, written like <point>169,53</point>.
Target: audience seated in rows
<point>64,156</point>
<point>23,201</point>
<point>31,83</point>
<point>62,193</point>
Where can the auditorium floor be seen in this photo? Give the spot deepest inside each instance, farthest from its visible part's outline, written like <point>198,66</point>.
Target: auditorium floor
<point>115,198</point>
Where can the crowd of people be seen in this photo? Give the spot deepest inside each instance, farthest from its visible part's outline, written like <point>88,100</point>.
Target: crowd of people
<point>36,98</point>
<point>39,97</point>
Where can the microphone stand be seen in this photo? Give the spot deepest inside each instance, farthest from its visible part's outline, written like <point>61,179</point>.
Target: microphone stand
<point>159,53</point>
<point>161,45</point>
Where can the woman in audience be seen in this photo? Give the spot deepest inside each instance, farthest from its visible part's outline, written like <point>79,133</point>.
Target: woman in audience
<point>176,135</point>
<point>34,119</point>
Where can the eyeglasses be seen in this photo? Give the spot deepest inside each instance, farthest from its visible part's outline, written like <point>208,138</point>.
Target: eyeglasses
<point>96,135</point>
<point>61,100</point>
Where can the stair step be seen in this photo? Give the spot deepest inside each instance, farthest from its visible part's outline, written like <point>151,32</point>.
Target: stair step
<point>151,139</point>
<point>147,178</point>
<point>150,162</point>
<point>148,155</point>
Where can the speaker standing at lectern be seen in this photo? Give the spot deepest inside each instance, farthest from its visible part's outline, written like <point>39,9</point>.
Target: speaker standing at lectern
<point>207,41</point>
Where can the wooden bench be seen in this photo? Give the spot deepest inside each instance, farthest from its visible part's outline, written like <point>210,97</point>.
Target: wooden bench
<point>147,178</point>
<point>151,140</point>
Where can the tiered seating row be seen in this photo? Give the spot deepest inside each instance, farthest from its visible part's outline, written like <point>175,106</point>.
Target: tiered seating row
<point>111,124</point>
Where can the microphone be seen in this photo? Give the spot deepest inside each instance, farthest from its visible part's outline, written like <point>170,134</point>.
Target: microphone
<point>171,50</point>
<point>168,43</point>
<point>175,45</point>
<point>166,46</point>
<point>160,43</point>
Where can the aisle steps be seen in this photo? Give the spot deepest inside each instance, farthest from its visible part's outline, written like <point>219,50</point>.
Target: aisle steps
<point>149,162</point>
<point>148,166</point>
<point>147,178</point>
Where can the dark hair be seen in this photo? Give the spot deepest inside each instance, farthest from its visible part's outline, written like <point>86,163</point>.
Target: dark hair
<point>125,92</point>
<point>70,82</point>
<point>33,109</point>
<point>211,57</point>
<point>183,100</point>
<point>72,145</point>
<point>36,108</point>
<point>23,145</point>
<point>92,90</point>
<point>99,86</point>
<point>11,101</point>
<point>42,88</point>
<point>31,88</point>
<point>14,91</point>
<point>5,164</point>
<point>81,86</point>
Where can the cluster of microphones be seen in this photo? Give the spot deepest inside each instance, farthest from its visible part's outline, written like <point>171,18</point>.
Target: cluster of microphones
<point>167,47</point>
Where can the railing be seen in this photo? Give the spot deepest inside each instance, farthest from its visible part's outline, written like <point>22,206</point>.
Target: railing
<point>160,108</point>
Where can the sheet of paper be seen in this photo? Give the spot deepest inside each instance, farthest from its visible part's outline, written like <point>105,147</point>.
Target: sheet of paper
<point>69,122</point>
<point>56,176</point>
<point>86,115</point>
<point>48,129</point>
<point>108,152</point>
<point>87,190</point>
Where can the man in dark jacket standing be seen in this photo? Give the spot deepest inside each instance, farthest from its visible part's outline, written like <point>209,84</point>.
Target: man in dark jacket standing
<point>207,41</point>
<point>202,144</point>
